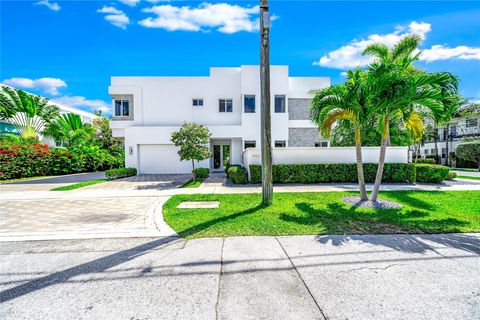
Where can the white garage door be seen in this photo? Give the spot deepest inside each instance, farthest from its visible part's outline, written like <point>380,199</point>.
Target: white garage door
<point>161,158</point>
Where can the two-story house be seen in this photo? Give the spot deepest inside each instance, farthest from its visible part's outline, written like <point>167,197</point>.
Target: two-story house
<point>146,110</point>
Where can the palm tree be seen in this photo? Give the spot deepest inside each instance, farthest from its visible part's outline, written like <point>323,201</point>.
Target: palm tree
<point>344,102</point>
<point>69,129</point>
<point>399,90</point>
<point>28,113</point>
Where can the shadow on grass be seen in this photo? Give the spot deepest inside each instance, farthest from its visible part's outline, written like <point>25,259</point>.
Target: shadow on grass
<point>340,219</point>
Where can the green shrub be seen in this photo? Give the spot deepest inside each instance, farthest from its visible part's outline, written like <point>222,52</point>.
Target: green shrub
<point>431,173</point>
<point>238,174</point>
<point>425,161</point>
<point>333,172</point>
<point>451,175</point>
<point>120,173</point>
<point>232,166</point>
<point>469,152</point>
<point>435,157</point>
<point>201,173</point>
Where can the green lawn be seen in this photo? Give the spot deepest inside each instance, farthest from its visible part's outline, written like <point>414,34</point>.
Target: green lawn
<point>79,185</point>
<point>192,183</point>
<point>324,213</point>
<point>468,177</point>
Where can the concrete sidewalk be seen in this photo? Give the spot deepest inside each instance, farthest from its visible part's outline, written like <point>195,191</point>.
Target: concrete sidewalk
<point>301,277</point>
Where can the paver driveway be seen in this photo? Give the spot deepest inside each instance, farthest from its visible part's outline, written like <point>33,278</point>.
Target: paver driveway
<point>38,217</point>
<point>144,182</point>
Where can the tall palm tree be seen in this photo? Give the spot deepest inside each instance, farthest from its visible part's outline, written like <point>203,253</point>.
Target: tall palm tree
<point>28,113</point>
<point>344,102</point>
<point>398,90</point>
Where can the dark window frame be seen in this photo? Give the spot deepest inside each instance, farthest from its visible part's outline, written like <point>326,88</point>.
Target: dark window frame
<point>251,97</point>
<point>225,105</point>
<point>281,108</point>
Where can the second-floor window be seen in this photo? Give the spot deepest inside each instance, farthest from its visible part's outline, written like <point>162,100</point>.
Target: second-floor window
<point>471,123</point>
<point>249,103</point>
<point>279,104</point>
<point>225,105</point>
<point>197,102</point>
<point>249,144</point>
<point>122,108</point>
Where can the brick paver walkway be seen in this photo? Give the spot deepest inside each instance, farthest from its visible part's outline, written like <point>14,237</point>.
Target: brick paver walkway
<point>144,182</point>
<point>53,215</point>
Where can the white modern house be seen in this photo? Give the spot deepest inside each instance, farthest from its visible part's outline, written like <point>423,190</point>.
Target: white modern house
<point>459,131</point>
<point>146,110</point>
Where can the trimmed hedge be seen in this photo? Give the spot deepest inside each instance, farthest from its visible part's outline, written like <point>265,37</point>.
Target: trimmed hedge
<point>451,175</point>
<point>425,161</point>
<point>431,173</point>
<point>334,172</point>
<point>120,173</point>
<point>201,173</point>
<point>238,174</point>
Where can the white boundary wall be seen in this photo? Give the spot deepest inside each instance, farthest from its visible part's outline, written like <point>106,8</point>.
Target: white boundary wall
<point>325,155</point>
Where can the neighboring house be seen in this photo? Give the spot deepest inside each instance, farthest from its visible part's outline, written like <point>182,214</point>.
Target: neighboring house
<point>87,117</point>
<point>460,130</point>
<point>146,110</point>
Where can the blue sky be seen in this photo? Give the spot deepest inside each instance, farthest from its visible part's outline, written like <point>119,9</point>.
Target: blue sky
<point>67,50</point>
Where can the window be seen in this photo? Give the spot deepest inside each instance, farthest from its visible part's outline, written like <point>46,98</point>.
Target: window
<point>322,144</point>
<point>444,134</point>
<point>249,144</point>
<point>432,151</point>
<point>471,123</point>
<point>225,105</point>
<point>122,108</point>
<point>280,144</point>
<point>444,153</point>
<point>249,104</point>
<point>426,151</point>
<point>453,131</point>
<point>279,104</point>
<point>197,102</point>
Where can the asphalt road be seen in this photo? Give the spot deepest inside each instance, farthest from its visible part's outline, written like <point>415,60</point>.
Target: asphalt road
<point>304,277</point>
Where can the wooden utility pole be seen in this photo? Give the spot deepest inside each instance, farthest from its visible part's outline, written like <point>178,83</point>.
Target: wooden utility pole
<point>266,140</point>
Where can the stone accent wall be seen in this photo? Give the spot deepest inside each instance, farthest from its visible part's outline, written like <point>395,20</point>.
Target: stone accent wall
<point>303,137</point>
<point>299,109</point>
<point>131,107</point>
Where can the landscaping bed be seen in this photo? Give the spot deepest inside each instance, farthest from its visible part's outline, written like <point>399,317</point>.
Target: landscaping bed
<point>324,213</point>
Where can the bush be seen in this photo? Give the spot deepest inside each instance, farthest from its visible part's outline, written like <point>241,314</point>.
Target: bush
<point>435,157</point>
<point>469,152</point>
<point>431,173</point>
<point>232,166</point>
<point>425,161</point>
<point>201,173</point>
<point>238,174</point>
<point>120,173</point>
<point>334,172</point>
<point>451,175</point>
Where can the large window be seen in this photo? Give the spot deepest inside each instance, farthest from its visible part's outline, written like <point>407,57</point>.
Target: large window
<point>471,123</point>
<point>225,105</point>
<point>249,103</point>
<point>122,108</point>
<point>279,104</point>
<point>197,102</point>
<point>249,144</point>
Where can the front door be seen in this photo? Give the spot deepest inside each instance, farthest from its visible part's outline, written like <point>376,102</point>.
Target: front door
<point>221,156</point>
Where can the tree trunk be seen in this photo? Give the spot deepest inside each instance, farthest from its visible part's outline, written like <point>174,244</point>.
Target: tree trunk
<point>193,169</point>
<point>446,145</point>
<point>435,138</point>
<point>361,176</point>
<point>381,161</point>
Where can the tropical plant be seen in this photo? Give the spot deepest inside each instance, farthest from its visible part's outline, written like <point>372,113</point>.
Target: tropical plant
<point>192,140</point>
<point>398,90</point>
<point>346,102</point>
<point>28,113</point>
<point>69,130</point>
<point>104,135</point>
<point>469,151</point>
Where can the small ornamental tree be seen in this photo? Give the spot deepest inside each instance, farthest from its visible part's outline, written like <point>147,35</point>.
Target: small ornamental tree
<point>193,140</point>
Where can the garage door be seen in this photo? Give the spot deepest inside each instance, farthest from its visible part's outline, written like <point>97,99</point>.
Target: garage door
<point>161,158</point>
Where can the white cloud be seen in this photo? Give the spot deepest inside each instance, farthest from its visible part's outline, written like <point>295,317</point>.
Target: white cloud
<point>116,17</point>
<point>131,3</point>
<point>440,52</point>
<point>223,17</point>
<point>343,74</point>
<point>80,101</point>
<point>350,56</point>
<point>50,5</point>
<point>48,85</point>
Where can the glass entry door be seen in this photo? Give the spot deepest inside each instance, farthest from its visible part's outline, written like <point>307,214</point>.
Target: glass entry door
<point>221,156</point>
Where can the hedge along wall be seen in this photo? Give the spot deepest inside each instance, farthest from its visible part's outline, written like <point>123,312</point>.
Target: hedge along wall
<point>336,172</point>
